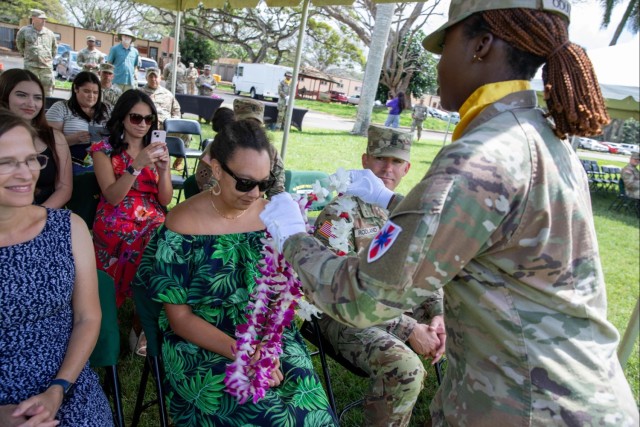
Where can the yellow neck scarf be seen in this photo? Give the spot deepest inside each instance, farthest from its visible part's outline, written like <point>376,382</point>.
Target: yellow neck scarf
<point>483,96</point>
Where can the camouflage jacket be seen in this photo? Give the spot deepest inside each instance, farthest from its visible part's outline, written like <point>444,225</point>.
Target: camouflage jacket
<point>503,222</point>
<point>419,112</point>
<point>166,104</point>
<point>192,75</point>
<point>283,92</point>
<point>367,220</point>
<point>181,74</point>
<point>37,47</point>
<point>206,80</point>
<point>631,178</point>
<point>87,57</point>
<point>111,94</point>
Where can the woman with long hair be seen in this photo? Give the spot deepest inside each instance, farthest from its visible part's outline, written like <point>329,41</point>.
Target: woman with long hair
<point>502,222</point>
<point>49,300</point>
<point>22,93</point>
<point>74,116</point>
<point>396,105</point>
<point>203,268</point>
<point>135,180</point>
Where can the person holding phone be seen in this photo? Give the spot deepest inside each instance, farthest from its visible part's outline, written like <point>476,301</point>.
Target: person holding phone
<point>134,177</point>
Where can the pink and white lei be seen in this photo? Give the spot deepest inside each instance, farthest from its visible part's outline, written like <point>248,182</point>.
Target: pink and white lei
<point>272,305</point>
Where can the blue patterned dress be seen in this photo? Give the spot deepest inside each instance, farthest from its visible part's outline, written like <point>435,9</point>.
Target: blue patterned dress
<point>36,319</point>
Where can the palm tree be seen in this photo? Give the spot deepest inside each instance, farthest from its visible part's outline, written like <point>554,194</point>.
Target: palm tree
<point>630,19</point>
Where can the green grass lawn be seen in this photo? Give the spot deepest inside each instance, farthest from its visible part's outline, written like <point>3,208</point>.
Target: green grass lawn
<point>325,150</point>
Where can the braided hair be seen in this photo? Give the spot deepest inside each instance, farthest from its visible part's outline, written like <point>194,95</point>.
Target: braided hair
<point>571,90</point>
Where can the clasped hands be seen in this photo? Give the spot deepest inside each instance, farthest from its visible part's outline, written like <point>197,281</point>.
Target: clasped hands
<point>283,218</point>
<point>36,411</point>
<point>429,340</point>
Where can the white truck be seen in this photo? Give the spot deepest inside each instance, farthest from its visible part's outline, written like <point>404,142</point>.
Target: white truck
<point>259,80</point>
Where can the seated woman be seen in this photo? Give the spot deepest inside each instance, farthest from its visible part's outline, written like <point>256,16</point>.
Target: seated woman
<point>49,295</point>
<point>204,271</point>
<point>73,117</point>
<point>22,93</point>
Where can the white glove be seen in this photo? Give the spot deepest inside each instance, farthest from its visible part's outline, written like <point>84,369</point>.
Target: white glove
<point>365,185</point>
<point>283,218</point>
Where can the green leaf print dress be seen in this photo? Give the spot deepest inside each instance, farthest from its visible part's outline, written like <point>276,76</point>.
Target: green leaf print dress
<point>215,276</point>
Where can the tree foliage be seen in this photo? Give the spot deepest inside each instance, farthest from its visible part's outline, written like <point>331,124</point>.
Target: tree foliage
<point>326,47</point>
<point>630,132</point>
<point>630,19</point>
<point>197,49</point>
<point>12,11</point>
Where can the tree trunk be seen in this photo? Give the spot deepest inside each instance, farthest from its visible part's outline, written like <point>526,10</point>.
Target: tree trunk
<point>623,22</point>
<point>379,39</point>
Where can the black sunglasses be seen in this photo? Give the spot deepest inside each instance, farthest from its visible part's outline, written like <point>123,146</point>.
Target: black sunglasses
<point>245,185</point>
<point>136,119</point>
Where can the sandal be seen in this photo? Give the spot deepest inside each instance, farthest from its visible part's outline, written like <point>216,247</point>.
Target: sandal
<point>138,344</point>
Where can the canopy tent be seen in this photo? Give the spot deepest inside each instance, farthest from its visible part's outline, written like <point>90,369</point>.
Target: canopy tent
<point>182,5</point>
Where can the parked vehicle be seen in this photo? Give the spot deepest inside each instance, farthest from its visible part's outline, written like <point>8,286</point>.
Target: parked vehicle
<point>68,67</point>
<point>634,148</point>
<point>338,97</point>
<point>612,149</point>
<point>142,70</point>
<point>592,144</point>
<point>439,114</point>
<point>259,80</point>
<point>354,99</point>
<point>455,118</point>
<point>62,48</point>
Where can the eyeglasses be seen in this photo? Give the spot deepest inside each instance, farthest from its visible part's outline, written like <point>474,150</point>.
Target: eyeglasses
<point>245,185</point>
<point>136,119</point>
<point>34,163</point>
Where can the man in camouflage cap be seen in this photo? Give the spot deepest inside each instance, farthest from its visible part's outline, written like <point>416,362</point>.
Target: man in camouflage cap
<point>110,92</point>
<point>389,353</point>
<point>631,176</point>
<point>205,82</point>
<point>90,57</point>
<point>418,115</point>
<point>37,44</point>
<point>192,76</point>
<point>283,99</point>
<point>502,222</point>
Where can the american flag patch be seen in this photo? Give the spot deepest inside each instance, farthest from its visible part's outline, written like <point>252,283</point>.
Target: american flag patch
<point>325,230</point>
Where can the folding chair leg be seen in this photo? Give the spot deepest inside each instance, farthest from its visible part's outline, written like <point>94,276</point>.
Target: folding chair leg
<point>157,377</point>
<point>112,371</point>
<point>325,370</point>
<point>438,368</point>
<point>141,391</point>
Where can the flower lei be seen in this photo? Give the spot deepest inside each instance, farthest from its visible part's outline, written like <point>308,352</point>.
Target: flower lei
<point>273,302</point>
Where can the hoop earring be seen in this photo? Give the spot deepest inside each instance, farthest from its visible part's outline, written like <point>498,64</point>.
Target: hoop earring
<point>213,183</point>
<point>477,58</point>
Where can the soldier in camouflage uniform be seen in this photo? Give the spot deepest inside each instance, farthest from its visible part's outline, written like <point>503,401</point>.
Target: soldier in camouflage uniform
<point>384,351</point>
<point>418,115</point>
<point>283,95</point>
<point>502,221</point>
<point>205,82</point>
<point>37,44</point>
<point>631,176</point>
<point>244,109</point>
<point>192,76</point>
<point>110,92</point>
<point>90,58</point>
<point>181,76</point>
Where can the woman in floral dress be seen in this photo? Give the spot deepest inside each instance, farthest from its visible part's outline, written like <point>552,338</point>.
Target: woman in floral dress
<point>135,181</point>
<point>203,266</point>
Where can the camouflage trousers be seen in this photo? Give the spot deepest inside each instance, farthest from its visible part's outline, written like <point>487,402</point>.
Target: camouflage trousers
<point>192,89</point>
<point>417,124</point>
<point>45,75</point>
<point>282,108</point>
<point>396,372</point>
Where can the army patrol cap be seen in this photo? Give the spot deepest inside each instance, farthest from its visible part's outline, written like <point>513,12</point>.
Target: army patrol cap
<point>125,32</point>
<point>288,73</point>
<point>37,13</point>
<point>459,10</point>
<point>152,70</point>
<point>207,67</point>
<point>388,142</point>
<point>107,68</point>
<point>248,109</point>
<point>91,38</point>
<point>635,156</point>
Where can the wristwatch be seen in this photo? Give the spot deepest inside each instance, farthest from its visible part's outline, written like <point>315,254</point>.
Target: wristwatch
<point>67,387</point>
<point>133,171</point>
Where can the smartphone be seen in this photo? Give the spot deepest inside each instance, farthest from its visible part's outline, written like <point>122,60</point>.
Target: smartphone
<point>158,136</point>
<point>97,133</point>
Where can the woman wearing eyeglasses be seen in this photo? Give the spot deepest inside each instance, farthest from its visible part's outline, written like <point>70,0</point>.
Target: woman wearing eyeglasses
<point>202,265</point>
<point>135,180</point>
<point>49,305</point>
<point>73,117</point>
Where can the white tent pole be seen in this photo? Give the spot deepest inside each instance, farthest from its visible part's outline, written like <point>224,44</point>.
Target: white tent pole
<point>175,51</point>
<point>294,78</point>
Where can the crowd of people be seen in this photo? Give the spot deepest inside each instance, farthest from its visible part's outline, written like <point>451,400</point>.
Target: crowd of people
<point>492,257</point>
